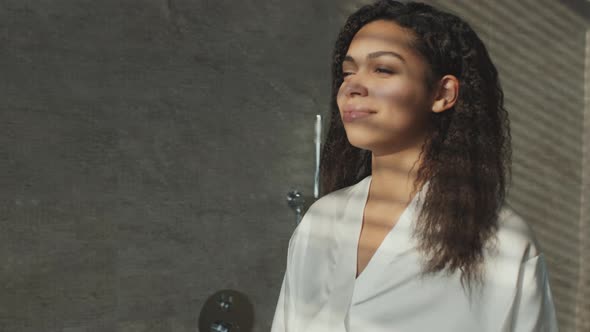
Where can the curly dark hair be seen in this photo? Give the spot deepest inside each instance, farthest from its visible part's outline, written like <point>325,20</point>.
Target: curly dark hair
<point>466,157</point>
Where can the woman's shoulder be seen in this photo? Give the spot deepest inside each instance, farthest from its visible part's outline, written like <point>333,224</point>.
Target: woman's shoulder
<point>515,236</point>
<point>333,202</point>
<point>327,208</point>
<point>320,218</point>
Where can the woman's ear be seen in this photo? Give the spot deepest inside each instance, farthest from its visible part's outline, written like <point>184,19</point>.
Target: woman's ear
<point>446,94</point>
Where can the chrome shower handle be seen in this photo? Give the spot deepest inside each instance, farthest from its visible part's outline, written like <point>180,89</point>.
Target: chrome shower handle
<point>296,201</point>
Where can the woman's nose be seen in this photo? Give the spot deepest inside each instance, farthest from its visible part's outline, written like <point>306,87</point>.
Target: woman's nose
<point>354,86</point>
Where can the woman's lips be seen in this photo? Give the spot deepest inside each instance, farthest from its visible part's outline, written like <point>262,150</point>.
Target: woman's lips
<point>349,116</point>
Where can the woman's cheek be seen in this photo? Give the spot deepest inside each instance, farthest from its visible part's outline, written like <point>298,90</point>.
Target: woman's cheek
<point>398,102</point>
<point>395,95</point>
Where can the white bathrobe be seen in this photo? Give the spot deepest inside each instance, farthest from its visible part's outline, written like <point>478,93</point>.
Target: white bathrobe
<point>320,291</point>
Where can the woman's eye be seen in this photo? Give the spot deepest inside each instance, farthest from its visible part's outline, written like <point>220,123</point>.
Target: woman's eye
<point>384,70</point>
<point>380,70</point>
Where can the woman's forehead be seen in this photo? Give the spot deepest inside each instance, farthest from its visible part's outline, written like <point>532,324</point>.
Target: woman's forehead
<point>385,32</point>
<point>382,35</point>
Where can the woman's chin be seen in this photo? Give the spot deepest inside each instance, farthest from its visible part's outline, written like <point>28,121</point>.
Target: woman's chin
<point>360,141</point>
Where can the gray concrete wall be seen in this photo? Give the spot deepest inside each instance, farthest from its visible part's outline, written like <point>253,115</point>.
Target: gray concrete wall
<point>147,148</point>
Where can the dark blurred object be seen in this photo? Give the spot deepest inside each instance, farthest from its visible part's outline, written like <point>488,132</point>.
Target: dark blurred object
<point>226,311</point>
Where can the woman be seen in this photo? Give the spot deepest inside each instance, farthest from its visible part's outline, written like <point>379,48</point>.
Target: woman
<point>414,233</point>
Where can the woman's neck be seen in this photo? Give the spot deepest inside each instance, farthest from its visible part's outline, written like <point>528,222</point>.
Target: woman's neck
<point>393,174</point>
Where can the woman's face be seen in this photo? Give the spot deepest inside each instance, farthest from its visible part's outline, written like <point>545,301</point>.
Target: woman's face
<point>384,82</point>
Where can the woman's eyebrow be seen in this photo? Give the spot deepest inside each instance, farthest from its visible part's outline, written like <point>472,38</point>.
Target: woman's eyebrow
<point>377,54</point>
